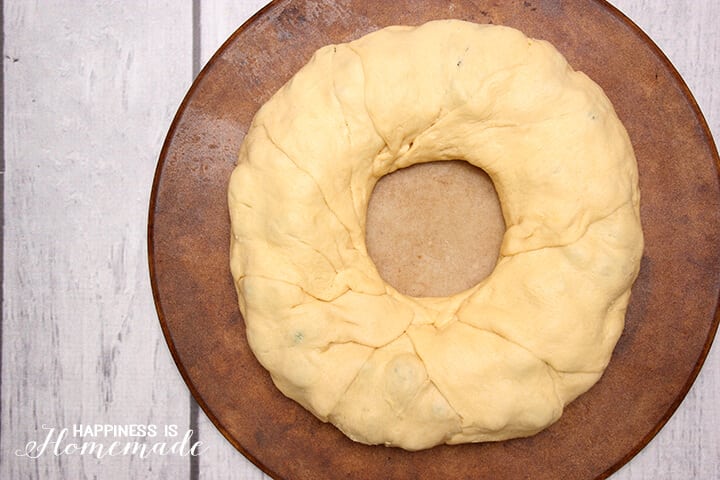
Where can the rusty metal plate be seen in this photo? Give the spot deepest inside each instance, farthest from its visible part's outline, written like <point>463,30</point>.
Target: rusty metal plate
<point>673,313</point>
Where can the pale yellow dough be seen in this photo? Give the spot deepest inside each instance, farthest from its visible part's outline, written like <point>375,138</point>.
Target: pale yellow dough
<point>499,360</point>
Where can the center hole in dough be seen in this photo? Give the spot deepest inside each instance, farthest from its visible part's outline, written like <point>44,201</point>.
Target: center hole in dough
<point>434,229</point>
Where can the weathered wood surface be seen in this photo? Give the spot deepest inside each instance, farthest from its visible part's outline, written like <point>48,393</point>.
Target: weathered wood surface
<point>89,93</point>
<point>90,90</point>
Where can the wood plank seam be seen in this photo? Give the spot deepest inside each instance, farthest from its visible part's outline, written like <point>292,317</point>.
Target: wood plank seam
<point>194,472</point>
<point>2,192</point>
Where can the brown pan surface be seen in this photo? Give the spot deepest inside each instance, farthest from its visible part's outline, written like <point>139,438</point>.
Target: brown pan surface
<point>672,315</point>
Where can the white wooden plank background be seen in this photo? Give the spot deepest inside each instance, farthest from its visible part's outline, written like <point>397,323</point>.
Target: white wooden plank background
<point>87,105</point>
<point>90,89</point>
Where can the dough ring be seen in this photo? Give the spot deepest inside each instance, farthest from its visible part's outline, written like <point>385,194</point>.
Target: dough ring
<point>499,360</point>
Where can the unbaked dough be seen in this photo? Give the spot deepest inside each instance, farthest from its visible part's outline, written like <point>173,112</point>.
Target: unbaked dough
<point>499,360</point>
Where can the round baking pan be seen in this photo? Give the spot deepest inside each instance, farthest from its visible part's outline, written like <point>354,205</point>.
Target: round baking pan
<point>673,312</point>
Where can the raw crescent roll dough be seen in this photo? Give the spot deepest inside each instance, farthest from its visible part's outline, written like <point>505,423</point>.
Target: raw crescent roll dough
<point>499,360</point>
